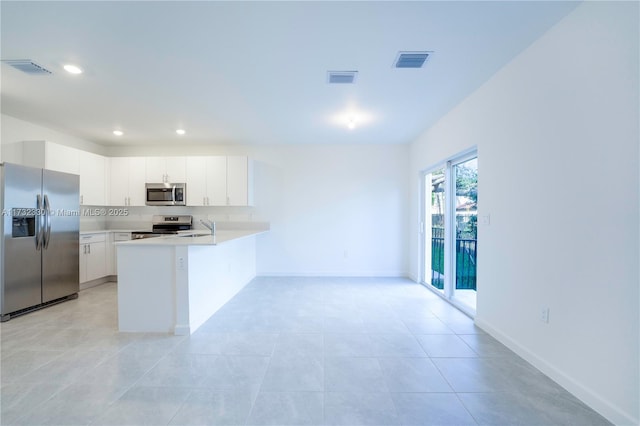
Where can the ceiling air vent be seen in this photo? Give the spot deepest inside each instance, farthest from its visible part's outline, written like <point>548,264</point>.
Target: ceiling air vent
<point>341,77</point>
<point>27,66</point>
<point>411,59</point>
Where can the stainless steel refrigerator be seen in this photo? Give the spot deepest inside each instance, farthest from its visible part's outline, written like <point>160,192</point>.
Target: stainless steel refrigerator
<point>39,247</point>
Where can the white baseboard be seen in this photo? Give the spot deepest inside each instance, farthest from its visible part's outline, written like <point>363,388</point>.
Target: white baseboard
<point>335,274</point>
<point>606,408</point>
<point>96,282</point>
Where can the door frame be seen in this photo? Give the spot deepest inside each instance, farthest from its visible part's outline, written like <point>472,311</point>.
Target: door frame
<point>449,228</point>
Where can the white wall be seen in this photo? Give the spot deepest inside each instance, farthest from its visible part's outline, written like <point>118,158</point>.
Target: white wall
<point>557,137</point>
<point>334,209</point>
<point>13,131</point>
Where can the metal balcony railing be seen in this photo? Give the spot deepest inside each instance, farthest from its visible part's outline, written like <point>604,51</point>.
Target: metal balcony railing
<point>466,256</point>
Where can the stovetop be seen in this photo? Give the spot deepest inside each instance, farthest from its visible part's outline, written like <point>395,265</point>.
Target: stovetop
<point>165,225</point>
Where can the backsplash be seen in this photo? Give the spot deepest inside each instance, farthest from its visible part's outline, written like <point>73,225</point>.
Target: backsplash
<point>140,218</point>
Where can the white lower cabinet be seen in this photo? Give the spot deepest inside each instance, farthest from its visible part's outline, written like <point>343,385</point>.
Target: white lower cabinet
<point>93,256</point>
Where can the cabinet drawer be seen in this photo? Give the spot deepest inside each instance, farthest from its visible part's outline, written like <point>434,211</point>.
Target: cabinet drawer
<point>122,236</point>
<point>92,238</point>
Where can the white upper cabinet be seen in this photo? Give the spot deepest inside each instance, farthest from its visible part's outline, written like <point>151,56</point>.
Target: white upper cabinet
<point>62,158</point>
<point>92,168</point>
<point>49,155</point>
<point>137,191</point>
<point>93,177</point>
<point>217,181</point>
<point>165,169</point>
<point>206,181</point>
<point>239,181</point>
<point>196,181</point>
<point>127,181</point>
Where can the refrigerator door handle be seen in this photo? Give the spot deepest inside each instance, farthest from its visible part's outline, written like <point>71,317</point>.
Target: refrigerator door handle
<point>39,225</point>
<point>47,208</point>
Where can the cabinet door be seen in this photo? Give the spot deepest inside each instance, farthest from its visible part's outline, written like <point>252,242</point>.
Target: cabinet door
<point>97,261</point>
<point>217,181</point>
<point>136,181</point>
<point>156,169</point>
<point>175,171</point>
<point>92,179</point>
<point>196,181</point>
<point>237,181</point>
<point>62,158</point>
<point>119,181</point>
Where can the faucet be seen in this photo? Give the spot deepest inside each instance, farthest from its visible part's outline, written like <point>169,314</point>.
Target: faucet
<point>210,225</point>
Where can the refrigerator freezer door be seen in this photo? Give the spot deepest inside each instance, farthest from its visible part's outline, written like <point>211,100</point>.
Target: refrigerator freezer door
<point>21,285</point>
<point>60,254</point>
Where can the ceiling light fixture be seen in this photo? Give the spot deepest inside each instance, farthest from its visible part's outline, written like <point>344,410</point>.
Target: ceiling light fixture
<point>181,132</point>
<point>118,132</point>
<point>72,69</point>
<point>351,124</point>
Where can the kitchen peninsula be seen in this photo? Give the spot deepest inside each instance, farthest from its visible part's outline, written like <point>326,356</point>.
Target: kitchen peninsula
<point>173,284</point>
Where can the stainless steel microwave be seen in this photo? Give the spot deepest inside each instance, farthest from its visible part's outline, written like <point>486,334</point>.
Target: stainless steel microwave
<point>166,194</point>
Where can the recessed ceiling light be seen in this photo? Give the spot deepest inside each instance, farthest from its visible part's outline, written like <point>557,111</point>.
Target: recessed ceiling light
<point>181,132</point>
<point>351,124</point>
<point>118,132</point>
<point>72,69</point>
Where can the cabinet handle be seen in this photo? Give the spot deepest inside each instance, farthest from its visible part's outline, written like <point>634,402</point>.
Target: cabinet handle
<point>82,199</point>
<point>228,200</point>
<point>89,247</point>
<point>207,200</point>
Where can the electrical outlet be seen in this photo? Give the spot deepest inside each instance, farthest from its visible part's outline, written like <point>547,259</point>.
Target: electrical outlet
<point>544,315</point>
<point>181,263</point>
<point>486,219</point>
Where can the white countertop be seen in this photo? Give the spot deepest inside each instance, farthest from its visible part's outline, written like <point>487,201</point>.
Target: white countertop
<point>102,231</point>
<point>195,238</point>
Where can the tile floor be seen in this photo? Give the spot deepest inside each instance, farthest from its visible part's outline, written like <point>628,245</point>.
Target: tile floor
<point>284,351</point>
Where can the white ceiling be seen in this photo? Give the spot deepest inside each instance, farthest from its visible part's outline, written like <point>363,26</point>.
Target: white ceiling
<point>255,72</point>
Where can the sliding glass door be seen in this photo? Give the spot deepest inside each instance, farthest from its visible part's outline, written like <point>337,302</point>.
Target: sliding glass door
<point>466,231</point>
<point>435,202</point>
<point>450,218</point>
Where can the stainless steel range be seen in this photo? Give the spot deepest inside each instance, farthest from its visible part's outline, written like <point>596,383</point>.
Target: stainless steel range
<point>165,225</point>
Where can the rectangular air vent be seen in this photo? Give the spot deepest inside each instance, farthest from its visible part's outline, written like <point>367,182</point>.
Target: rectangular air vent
<point>341,77</point>
<point>411,59</point>
<point>27,66</point>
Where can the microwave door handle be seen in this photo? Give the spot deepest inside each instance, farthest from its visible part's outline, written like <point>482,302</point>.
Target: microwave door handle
<point>39,218</point>
<point>173,194</point>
